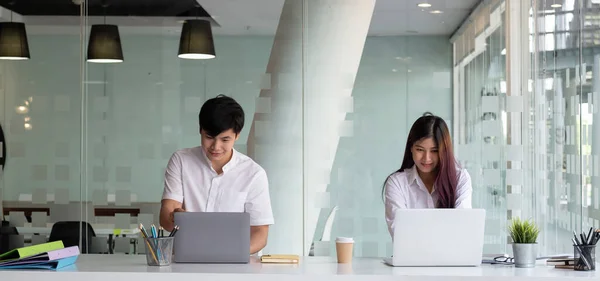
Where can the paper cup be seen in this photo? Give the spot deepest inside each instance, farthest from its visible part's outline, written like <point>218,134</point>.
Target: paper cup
<point>343,247</point>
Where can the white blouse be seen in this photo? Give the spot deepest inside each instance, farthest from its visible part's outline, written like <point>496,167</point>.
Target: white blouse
<point>406,190</point>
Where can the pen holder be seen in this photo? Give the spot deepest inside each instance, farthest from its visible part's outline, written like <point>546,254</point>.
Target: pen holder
<point>585,257</point>
<point>159,251</point>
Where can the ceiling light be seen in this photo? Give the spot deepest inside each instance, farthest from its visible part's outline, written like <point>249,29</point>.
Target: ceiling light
<point>436,12</point>
<point>13,41</point>
<point>196,41</point>
<point>424,5</point>
<point>21,109</point>
<point>556,5</point>
<point>27,126</point>
<point>105,44</point>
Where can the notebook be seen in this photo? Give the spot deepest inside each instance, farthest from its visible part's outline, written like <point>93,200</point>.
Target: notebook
<point>52,265</point>
<point>280,259</point>
<point>31,250</point>
<point>52,256</point>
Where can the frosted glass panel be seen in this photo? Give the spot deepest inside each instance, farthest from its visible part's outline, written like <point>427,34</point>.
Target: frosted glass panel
<point>344,173</point>
<point>481,104</point>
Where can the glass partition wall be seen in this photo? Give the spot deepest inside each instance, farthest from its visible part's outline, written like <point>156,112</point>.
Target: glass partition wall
<point>88,141</point>
<point>538,92</point>
<point>41,99</point>
<point>110,92</point>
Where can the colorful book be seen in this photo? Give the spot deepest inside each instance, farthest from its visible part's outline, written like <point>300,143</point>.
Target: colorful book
<point>44,257</point>
<point>31,250</point>
<point>52,256</point>
<point>52,265</point>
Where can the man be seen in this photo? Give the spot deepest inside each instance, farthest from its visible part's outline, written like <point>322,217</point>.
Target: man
<point>214,177</point>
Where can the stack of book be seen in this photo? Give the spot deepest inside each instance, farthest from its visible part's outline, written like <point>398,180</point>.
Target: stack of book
<point>52,255</point>
<point>564,263</point>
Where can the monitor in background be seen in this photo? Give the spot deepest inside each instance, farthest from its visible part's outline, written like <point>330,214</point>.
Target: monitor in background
<point>212,237</point>
<point>438,237</point>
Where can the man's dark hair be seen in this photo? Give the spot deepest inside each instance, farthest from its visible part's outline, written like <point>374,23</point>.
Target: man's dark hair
<point>220,114</point>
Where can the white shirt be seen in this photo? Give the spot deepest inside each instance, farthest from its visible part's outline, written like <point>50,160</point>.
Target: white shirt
<point>406,190</point>
<point>242,187</point>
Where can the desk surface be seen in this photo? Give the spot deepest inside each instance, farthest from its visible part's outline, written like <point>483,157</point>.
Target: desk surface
<point>126,267</point>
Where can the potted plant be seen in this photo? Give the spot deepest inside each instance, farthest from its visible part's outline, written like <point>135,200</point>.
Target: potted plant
<point>524,237</point>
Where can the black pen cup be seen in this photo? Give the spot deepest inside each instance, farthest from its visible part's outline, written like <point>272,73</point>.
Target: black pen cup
<point>585,257</point>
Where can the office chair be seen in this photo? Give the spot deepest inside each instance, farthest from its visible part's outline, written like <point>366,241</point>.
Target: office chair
<point>70,232</point>
<point>6,232</point>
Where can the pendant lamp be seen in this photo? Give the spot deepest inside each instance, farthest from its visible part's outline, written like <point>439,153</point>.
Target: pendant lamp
<point>196,41</point>
<point>13,41</point>
<point>105,44</point>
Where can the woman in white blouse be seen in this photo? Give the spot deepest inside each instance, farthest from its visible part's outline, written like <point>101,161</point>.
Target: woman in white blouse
<point>429,176</point>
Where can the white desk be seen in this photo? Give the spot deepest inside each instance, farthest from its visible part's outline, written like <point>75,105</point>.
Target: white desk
<point>127,268</point>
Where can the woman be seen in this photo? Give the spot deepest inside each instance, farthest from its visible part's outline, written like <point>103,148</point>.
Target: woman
<point>429,176</point>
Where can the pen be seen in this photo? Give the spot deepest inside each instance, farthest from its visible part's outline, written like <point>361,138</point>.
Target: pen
<point>143,230</point>
<point>161,232</point>
<point>153,229</point>
<point>174,231</point>
<point>576,241</point>
<point>595,237</point>
<point>155,235</point>
<point>150,248</point>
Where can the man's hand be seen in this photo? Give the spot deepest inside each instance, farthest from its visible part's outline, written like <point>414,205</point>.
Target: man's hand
<point>172,216</point>
<point>167,209</point>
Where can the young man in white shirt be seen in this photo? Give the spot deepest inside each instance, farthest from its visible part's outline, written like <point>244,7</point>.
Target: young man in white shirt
<point>214,177</point>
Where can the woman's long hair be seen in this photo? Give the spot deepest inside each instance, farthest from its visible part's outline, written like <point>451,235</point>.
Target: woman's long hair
<point>431,126</point>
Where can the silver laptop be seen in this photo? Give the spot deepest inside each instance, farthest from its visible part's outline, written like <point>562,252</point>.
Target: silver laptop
<point>438,237</point>
<point>212,237</point>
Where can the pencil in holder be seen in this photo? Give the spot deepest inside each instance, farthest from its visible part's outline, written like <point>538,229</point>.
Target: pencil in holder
<point>159,251</point>
<point>584,257</point>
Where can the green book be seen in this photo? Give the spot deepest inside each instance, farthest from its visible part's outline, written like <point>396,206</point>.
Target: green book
<point>31,250</point>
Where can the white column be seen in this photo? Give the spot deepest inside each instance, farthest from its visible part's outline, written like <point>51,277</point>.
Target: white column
<point>335,35</point>
<point>313,64</point>
<point>275,138</point>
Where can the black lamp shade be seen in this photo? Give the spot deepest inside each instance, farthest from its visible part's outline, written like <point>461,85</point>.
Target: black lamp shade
<point>105,44</point>
<point>196,41</point>
<point>13,41</point>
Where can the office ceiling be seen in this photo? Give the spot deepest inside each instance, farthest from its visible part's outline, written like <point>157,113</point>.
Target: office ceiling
<point>391,17</point>
<point>233,17</point>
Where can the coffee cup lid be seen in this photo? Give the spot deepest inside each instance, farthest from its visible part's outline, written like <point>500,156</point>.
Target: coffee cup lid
<point>344,240</point>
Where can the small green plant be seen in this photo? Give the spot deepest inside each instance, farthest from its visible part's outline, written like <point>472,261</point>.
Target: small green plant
<point>523,232</point>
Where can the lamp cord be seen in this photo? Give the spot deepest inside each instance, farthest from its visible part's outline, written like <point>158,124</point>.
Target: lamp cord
<point>12,5</point>
<point>104,6</point>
